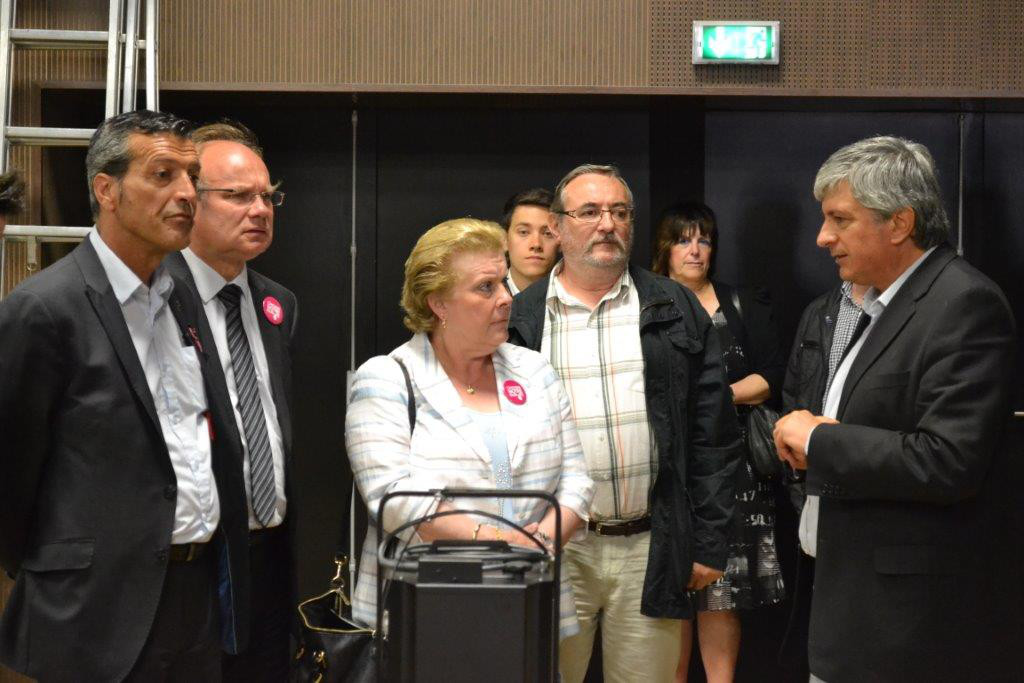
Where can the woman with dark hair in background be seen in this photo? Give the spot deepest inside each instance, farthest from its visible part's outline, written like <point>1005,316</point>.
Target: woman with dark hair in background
<point>687,241</point>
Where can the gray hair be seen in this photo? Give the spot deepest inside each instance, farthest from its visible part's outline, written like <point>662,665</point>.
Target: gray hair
<point>887,174</point>
<point>558,202</point>
<point>108,149</point>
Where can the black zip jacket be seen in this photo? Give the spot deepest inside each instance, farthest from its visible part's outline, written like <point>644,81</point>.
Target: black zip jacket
<point>689,406</point>
<point>804,385</point>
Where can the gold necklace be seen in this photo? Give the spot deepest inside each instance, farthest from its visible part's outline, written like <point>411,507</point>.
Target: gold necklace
<point>470,389</point>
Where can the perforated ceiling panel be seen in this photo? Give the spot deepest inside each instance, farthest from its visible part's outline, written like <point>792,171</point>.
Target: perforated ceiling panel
<point>913,47</point>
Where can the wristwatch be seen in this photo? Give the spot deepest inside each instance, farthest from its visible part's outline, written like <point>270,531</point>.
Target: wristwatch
<point>545,539</point>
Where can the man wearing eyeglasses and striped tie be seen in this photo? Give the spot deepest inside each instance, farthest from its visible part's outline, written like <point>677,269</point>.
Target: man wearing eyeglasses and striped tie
<point>251,320</point>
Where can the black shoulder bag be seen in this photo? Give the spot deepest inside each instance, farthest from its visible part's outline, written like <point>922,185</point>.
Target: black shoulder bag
<point>333,648</point>
<point>760,423</point>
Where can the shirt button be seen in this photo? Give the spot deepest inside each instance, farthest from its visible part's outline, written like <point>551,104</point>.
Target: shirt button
<point>170,491</point>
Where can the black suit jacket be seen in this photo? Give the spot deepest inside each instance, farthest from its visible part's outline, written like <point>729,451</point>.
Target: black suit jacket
<point>88,489</point>
<point>912,582</point>
<point>277,342</point>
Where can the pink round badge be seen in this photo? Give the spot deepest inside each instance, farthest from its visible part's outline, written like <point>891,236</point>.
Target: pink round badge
<point>514,392</point>
<point>273,309</point>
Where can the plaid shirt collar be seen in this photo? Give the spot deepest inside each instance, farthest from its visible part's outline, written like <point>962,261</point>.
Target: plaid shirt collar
<point>557,291</point>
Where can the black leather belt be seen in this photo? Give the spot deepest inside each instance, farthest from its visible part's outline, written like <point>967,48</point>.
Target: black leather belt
<point>186,552</point>
<point>633,526</point>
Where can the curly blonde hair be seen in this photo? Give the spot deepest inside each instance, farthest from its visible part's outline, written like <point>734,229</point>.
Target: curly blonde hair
<point>428,268</point>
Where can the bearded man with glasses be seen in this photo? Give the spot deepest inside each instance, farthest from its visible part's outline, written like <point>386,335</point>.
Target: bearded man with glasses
<point>251,320</point>
<point>641,363</point>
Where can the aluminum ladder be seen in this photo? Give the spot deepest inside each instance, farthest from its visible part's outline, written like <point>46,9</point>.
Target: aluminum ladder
<point>122,43</point>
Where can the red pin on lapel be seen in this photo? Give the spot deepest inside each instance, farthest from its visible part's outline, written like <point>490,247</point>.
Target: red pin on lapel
<point>514,392</point>
<point>273,310</point>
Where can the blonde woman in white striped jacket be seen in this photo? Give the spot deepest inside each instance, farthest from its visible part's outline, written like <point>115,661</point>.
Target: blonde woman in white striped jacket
<point>488,414</point>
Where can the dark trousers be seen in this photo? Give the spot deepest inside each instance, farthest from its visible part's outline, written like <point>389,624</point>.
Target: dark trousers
<point>184,641</point>
<point>267,656</point>
<point>793,652</point>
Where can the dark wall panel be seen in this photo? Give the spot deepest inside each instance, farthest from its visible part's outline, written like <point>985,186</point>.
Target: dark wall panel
<point>759,173</point>
<point>439,164</point>
<point>997,245</point>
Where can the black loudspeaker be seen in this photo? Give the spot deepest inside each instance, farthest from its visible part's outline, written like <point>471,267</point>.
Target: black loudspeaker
<point>468,611</point>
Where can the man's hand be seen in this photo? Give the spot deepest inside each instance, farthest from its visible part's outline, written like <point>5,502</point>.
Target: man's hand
<point>702,576</point>
<point>791,432</point>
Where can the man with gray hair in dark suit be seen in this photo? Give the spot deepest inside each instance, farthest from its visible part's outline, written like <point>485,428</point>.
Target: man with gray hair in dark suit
<point>908,512</point>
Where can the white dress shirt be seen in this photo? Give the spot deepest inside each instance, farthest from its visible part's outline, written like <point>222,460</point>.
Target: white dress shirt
<point>874,305</point>
<point>208,283</point>
<point>176,382</point>
<point>511,284</point>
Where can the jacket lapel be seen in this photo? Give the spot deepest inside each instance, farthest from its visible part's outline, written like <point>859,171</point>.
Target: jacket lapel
<point>213,372</point>
<point>108,310</point>
<point>893,319</point>
<point>273,345</point>
<point>513,415</point>
<point>439,393</point>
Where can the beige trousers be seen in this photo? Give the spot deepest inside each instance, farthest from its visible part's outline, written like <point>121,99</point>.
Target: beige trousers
<point>607,575</point>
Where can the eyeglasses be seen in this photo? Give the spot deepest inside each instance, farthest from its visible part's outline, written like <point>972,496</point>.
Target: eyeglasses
<point>589,214</point>
<point>274,198</point>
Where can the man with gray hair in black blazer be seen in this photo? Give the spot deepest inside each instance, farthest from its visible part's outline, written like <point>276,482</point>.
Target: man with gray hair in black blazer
<point>910,506</point>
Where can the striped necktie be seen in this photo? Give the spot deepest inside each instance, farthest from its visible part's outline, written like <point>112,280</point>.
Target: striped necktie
<point>261,460</point>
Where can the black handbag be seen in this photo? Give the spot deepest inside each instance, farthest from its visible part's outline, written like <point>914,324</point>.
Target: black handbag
<point>759,422</point>
<point>332,648</point>
<point>764,458</point>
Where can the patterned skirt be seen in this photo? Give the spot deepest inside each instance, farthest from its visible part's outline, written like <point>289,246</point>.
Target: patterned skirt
<point>752,575</point>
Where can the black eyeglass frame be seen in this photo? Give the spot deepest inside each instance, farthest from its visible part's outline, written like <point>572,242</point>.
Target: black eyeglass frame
<point>602,212</point>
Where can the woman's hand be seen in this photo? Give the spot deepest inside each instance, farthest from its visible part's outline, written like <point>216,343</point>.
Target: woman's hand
<point>511,536</point>
<point>751,390</point>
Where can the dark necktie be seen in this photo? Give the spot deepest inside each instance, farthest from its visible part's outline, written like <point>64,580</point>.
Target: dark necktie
<point>261,460</point>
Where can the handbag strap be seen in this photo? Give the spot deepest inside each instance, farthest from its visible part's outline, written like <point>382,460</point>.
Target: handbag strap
<point>345,547</point>
<point>736,303</point>
<point>411,401</point>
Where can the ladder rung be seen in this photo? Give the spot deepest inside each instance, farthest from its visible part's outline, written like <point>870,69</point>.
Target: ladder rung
<point>47,38</point>
<point>49,137</point>
<point>46,233</point>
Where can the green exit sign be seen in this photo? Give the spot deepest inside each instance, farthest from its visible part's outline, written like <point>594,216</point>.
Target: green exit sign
<point>735,42</point>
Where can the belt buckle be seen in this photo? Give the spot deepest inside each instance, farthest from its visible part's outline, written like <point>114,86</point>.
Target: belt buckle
<point>599,528</point>
<point>193,552</point>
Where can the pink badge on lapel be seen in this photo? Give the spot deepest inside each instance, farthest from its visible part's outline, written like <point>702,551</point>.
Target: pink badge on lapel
<point>514,392</point>
<point>273,309</point>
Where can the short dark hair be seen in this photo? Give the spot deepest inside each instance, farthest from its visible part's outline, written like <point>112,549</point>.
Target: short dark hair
<point>683,219</point>
<point>12,193</point>
<point>231,131</point>
<point>535,196</point>
<point>108,148</point>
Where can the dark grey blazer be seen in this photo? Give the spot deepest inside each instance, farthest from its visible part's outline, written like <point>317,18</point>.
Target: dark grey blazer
<point>912,581</point>
<point>87,488</point>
